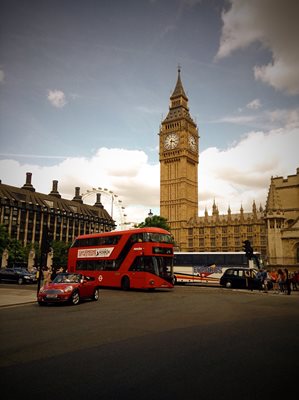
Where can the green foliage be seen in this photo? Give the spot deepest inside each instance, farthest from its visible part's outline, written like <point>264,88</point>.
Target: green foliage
<point>154,221</point>
<point>17,253</point>
<point>4,239</point>
<point>60,254</point>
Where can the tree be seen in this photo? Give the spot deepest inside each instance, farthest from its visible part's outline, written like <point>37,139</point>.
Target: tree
<point>17,253</point>
<point>60,254</point>
<point>4,239</point>
<point>155,221</point>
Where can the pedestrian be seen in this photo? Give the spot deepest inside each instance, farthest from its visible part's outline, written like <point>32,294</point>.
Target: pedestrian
<point>274,279</point>
<point>295,280</point>
<point>265,280</point>
<point>287,282</point>
<point>260,277</point>
<point>249,279</point>
<point>281,280</point>
<point>47,276</point>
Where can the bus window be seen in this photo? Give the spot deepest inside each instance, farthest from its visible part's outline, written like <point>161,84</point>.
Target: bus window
<point>138,264</point>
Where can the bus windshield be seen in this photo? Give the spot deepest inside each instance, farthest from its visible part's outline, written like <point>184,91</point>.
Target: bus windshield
<point>160,266</point>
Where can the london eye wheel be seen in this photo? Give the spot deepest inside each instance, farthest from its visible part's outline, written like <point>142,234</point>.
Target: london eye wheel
<point>111,202</point>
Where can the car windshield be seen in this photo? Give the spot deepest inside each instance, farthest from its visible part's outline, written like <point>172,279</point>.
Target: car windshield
<point>67,278</point>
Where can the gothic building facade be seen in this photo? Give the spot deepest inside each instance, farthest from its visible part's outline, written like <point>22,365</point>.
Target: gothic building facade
<point>272,231</point>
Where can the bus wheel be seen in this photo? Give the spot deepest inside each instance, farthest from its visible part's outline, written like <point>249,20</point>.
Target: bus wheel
<point>174,280</point>
<point>125,283</point>
<point>96,295</point>
<point>75,298</point>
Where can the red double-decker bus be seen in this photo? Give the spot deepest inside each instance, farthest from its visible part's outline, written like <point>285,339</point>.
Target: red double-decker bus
<point>138,258</point>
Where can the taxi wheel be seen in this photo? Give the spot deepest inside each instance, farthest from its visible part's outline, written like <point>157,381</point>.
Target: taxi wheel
<point>96,295</point>
<point>75,298</point>
<point>228,285</point>
<point>20,281</point>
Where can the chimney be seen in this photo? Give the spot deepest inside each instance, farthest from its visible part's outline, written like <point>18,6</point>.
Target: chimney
<point>28,184</point>
<point>98,202</point>
<point>77,197</point>
<point>54,191</point>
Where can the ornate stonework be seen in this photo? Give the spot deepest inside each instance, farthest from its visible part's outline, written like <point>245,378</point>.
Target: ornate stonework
<point>179,149</point>
<point>274,232</point>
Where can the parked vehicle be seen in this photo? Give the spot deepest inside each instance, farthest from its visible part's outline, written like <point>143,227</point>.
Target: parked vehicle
<point>241,278</point>
<point>69,288</point>
<point>18,275</point>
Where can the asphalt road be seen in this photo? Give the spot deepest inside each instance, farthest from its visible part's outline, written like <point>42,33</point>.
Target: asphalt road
<point>189,343</point>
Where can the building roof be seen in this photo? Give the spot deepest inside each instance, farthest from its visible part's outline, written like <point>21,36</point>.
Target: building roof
<point>179,90</point>
<point>28,195</point>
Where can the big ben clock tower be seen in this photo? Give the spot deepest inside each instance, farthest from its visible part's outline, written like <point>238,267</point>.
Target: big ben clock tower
<point>178,155</point>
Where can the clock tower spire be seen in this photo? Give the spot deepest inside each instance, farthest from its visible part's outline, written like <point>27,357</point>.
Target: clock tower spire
<point>178,155</point>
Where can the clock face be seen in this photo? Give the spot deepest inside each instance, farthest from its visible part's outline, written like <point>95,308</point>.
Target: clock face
<point>171,141</point>
<point>192,143</point>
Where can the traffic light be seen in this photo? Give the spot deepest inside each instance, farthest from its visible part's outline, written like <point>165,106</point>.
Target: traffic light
<point>248,249</point>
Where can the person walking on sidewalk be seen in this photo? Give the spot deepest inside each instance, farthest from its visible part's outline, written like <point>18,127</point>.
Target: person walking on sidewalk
<point>287,282</point>
<point>281,280</point>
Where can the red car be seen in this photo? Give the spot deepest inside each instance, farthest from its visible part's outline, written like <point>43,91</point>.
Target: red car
<point>69,288</point>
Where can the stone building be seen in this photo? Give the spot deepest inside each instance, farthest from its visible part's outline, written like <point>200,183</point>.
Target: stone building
<point>217,232</point>
<point>282,220</point>
<point>26,213</point>
<point>272,231</point>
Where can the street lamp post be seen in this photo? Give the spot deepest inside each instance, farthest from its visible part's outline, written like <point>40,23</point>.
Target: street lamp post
<point>150,214</point>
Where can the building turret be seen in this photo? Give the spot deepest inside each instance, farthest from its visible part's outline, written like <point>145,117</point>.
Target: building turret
<point>274,217</point>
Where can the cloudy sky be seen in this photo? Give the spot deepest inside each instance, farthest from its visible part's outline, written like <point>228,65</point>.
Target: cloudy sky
<point>85,85</point>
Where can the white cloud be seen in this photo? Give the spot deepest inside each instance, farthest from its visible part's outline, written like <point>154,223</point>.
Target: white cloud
<point>2,76</point>
<point>266,120</point>
<point>57,98</point>
<point>242,173</point>
<point>232,177</point>
<point>254,104</point>
<point>275,25</point>
<point>237,119</point>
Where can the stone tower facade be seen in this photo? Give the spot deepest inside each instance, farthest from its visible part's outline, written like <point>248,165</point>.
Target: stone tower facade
<point>179,152</point>
<point>282,220</point>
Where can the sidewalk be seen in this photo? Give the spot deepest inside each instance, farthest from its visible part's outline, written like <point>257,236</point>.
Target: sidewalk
<point>11,296</point>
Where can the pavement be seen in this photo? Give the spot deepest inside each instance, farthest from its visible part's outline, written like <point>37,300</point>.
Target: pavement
<point>12,295</point>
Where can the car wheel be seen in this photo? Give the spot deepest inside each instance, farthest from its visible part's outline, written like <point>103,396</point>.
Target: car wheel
<point>75,298</point>
<point>96,295</point>
<point>20,281</point>
<point>125,283</point>
<point>228,284</point>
